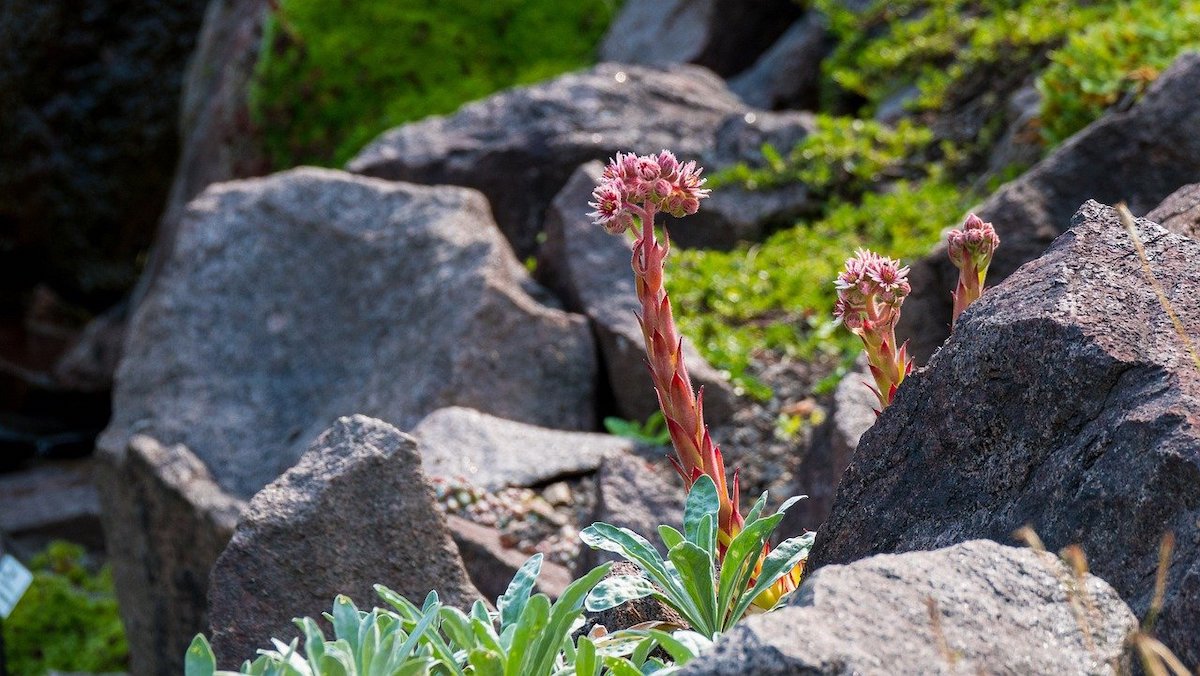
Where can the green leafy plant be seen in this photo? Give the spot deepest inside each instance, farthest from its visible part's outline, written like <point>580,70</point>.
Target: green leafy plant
<point>653,431</point>
<point>1113,60</point>
<point>711,598</point>
<point>332,75</point>
<point>67,619</point>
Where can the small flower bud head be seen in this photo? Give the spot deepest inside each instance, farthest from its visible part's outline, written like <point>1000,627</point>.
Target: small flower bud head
<point>647,168</point>
<point>667,165</point>
<point>608,202</point>
<point>973,245</point>
<point>619,224</point>
<point>691,205</point>
<point>662,188</point>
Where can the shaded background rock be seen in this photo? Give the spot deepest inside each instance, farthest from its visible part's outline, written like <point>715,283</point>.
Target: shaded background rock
<point>999,610</point>
<point>788,75</point>
<point>1064,400</point>
<point>165,521</point>
<point>293,299</point>
<point>722,35</point>
<point>589,269</point>
<point>51,500</point>
<point>1180,212</point>
<point>355,511</point>
<point>520,146</point>
<point>493,453</point>
<point>491,565</point>
<point>632,493</point>
<point>1140,156</point>
<point>89,98</point>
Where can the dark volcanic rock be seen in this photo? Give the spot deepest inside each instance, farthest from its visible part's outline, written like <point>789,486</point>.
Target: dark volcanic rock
<point>589,269</point>
<point>89,99</point>
<point>1180,212</point>
<point>1065,400</point>
<point>165,521</point>
<point>788,75</point>
<point>519,146</point>
<point>723,35</point>
<point>295,298</point>
<point>354,512</point>
<point>999,610</point>
<point>493,453</point>
<point>1140,156</point>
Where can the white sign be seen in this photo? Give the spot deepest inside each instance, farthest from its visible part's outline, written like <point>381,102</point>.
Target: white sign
<point>14,580</point>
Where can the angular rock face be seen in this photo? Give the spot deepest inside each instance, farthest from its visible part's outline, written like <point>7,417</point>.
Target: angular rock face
<point>494,453</point>
<point>1139,156</point>
<point>354,512</point>
<point>1065,400</point>
<point>295,298</point>
<point>589,269</point>
<point>788,75</point>
<point>723,35</point>
<point>165,521</point>
<point>999,610</point>
<point>87,138</point>
<point>1180,212</point>
<point>519,147</point>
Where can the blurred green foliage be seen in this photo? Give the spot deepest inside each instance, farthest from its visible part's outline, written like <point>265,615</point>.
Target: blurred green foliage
<point>1114,60</point>
<point>67,620</point>
<point>332,75</point>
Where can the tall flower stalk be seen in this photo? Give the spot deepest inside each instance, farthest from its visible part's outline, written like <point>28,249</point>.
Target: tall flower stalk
<point>870,291</point>
<point>971,249</point>
<point>631,192</point>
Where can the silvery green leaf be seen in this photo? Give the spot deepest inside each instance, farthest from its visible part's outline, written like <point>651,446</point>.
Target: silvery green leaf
<point>199,659</point>
<point>756,511</point>
<point>625,542</point>
<point>786,556</point>
<point>670,536</point>
<point>696,569</point>
<point>612,592</point>
<point>701,499</point>
<point>789,502</point>
<point>513,601</point>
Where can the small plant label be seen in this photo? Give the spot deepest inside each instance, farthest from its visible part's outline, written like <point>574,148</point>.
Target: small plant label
<point>14,580</point>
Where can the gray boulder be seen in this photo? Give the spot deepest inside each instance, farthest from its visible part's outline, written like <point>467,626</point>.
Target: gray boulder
<point>520,146</point>
<point>589,269</point>
<point>354,512</point>
<point>998,610</point>
<point>1140,156</point>
<point>1180,212</point>
<point>494,453</point>
<point>788,75</point>
<point>1065,400</point>
<point>293,299</point>
<point>165,521</point>
<point>491,565</point>
<point>723,35</point>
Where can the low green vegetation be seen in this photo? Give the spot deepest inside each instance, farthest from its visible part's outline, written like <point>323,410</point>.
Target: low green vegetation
<point>332,75</point>
<point>1113,61</point>
<point>67,620</point>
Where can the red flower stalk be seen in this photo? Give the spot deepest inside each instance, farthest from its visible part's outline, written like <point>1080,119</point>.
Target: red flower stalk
<point>870,292</point>
<point>640,187</point>
<point>971,250</point>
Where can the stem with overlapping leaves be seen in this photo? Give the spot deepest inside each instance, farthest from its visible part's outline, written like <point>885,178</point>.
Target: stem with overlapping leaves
<point>971,249</point>
<point>631,193</point>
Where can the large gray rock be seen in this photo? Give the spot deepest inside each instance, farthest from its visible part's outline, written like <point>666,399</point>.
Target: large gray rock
<point>999,610</point>
<point>1140,156</point>
<point>519,146</point>
<point>724,35</point>
<point>494,453</point>
<point>491,565</point>
<point>311,293</point>
<point>590,270</point>
<point>354,512</point>
<point>1180,212</point>
<point>89,100</point>
<point>788,75</point>
<point>300,297</point>
<point>165,521</point>
<point>1065,400</point>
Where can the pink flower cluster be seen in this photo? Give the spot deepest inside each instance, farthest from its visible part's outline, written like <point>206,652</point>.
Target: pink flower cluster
<point>635,185</point>
<point>971,250</point>
<point>870,292</point>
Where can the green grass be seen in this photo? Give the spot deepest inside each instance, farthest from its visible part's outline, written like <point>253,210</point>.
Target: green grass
<point>67,620</point>
<point>332,75</point>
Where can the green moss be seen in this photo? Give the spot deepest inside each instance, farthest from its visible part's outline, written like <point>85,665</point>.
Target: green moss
<point>778,295</point>
<point>1114,60</point>
<point>843,158</point>
<point>332,75</point>
<point>67,620</point>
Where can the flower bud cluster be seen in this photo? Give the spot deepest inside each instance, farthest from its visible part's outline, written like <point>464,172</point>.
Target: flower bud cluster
<point>870,292</point>
<point>660,181</point>
<point>971,249</point>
